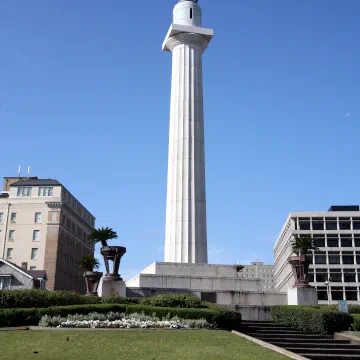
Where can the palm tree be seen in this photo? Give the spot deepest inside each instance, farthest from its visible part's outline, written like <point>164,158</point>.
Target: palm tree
<point>302,244</point>
<point>89,263</point>
<point>239,267</point>
<point>102,235</point>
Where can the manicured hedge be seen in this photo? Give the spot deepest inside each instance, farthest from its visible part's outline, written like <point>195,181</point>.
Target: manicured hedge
<point>26,317</point>
<point>222,318</point>
<point>356,323</point>
<point>44,299</point>
<point>311,319</point>
<point>172,300</point>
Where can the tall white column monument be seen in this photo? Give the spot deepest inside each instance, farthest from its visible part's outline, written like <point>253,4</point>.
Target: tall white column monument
<point>186,234</point>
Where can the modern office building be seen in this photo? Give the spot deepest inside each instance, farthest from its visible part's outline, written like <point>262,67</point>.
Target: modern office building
<point>258,270</point>
<point>44,227</point>
<point>337,235</point>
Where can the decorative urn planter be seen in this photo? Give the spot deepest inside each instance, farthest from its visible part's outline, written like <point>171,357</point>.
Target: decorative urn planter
<point>300,267</point>
<point>114,254</point>
<point>92,280</point>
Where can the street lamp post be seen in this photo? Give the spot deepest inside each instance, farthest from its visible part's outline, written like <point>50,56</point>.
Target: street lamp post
<point>327,283</point>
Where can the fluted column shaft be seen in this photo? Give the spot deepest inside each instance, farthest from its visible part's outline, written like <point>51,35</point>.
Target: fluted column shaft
<point>186,233</point>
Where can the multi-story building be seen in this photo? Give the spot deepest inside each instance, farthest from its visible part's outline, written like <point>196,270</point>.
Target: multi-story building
<point>44,227</point>
<point>258,270</point>
<point>337,235</point>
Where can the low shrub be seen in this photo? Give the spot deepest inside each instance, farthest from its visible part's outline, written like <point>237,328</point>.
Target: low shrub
<point>43,299</point>
<point>222,318</point>
<point>356,323</point>
<point>172,300</point>
<point>26,317</point>
<point>311,319</point>
<point>118,300</point>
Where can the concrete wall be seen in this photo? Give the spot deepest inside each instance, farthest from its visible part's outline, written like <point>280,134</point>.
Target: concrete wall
<point>163,268</point>
<point>256,311</point>
<point>195,283</point>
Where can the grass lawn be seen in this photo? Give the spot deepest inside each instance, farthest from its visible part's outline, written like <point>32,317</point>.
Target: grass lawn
<point>135,344</point>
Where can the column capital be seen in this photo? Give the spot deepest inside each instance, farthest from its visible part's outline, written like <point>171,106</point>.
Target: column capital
<point>190,39</point>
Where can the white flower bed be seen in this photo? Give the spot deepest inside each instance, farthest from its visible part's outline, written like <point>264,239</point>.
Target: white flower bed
<point>125,323</point>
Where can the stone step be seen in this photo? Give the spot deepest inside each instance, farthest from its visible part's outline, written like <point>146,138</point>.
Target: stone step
<point>275,328</point>
<point>278,332</point>
<point>329,356</point>
<point>291,336</point>
<point>326,350</point>
<point>316,345</point>
<point>301,342</point>
<point>262,324</point>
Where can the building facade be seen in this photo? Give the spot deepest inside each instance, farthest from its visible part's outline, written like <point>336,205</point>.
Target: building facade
<point>258,270</point>
<point>13,277</point>
<point>337,235</point>
<point>44,227</point>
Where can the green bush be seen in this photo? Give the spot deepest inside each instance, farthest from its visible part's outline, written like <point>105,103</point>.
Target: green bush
<point>311,319</point>
<point>118,300</point>
<point>25,317</point>
<point>356,323</point>
<point>222,318</point>
<point>172,300</point>
<point>43,299</point>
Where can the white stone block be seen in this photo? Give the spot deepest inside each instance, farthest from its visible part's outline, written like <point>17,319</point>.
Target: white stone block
<point>113,288</point>
<point>302,296</point>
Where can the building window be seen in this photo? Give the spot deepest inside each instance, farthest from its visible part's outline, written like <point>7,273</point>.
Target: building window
<point>319,241</point>
<point>334,257</point>
<point>320,259</point>
<point>348,258</point>
<point>322,293</point>
<point>331,224</point>
<point>356,223</point>
<point>318,224</point>
<point>45,191</point>
<point>304,223</point>
<point>349,276</point>
<point>346,241</point>
<point>36,235</point>
<point>32,267</point>
<point>13,217</point>
<point>24,265</point>
<point>332,241</point>
<point>34,253</point>
<point>37,218</point>
<point>24,191</point>
<point>337,293</point>
<point>321,277</point>
<point>351,293</point>
<point>11,235</point>
<point>335,275</point>
<point>1,217</point>
<point>9,253</point>
<point>344,224</point>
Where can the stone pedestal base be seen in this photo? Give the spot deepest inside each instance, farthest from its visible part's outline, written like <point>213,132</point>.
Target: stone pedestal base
<point>112,288</point>
<point>302,296</point>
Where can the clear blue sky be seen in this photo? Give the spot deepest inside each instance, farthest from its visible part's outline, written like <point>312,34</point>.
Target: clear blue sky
<point>84,95</point>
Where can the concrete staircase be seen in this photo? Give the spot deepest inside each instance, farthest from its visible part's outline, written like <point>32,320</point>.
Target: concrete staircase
<point>314,347</point>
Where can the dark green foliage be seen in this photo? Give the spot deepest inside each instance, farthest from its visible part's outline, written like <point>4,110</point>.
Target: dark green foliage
<point>311,319</point>
<point>303,244</point>
<point>172,300</point>
<point>102,235</point>
<point>222,318</point>
<point>89,263</point>
<point>118,300</point>
<point>26,317</point>
<point>356,323</point>
<point>43,299</point>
